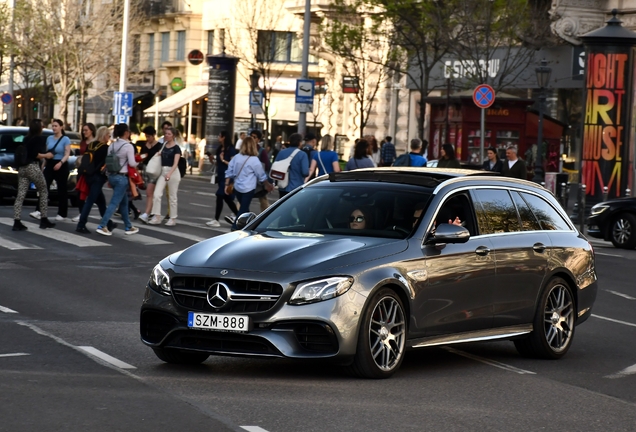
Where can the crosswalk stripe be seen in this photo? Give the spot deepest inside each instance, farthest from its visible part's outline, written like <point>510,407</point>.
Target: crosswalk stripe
<point>13,245</point>
<point>56,234</point>
<point>168,231</point>
<point>135,238</point>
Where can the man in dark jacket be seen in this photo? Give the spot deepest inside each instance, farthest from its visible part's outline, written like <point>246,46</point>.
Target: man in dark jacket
<point>493,163</point>
<point>514,167</point>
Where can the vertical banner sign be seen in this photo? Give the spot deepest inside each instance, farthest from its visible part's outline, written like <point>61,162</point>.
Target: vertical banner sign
<point>221,99</point>
<point>608,127</point>
<point>607,111</point>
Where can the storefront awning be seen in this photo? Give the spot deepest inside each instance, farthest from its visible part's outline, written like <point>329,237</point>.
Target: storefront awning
<point>177,100</point>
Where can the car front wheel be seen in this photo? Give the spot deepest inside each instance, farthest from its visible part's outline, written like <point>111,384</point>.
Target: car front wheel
<point>623,231</point>
<point>180,357</point>
<point>553,327</point>
<point>382,336</point>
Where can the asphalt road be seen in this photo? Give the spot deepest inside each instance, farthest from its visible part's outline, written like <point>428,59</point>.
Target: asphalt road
<point>71,358</point>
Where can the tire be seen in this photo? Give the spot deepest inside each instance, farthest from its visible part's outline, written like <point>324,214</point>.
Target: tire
<point>554,322</point>
<point>382,337</point>
<point>174,356</point>
<point>623,231</point>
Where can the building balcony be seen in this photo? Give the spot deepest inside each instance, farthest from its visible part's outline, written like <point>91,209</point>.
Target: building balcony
<point>157,8</point>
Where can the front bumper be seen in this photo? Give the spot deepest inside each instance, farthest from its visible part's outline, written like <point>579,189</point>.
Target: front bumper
<point>327,329</point>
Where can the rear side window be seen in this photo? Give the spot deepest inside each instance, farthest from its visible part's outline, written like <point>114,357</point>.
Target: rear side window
<point>528,221</point>
<point>498,213</point>
<point>548,217</point>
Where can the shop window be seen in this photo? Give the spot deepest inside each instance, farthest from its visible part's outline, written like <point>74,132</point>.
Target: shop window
<point>280,47</point>
<point>181,42</point>
<point>211,42</point>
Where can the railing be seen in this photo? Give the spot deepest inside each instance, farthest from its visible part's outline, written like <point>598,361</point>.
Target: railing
<point>154,8</point>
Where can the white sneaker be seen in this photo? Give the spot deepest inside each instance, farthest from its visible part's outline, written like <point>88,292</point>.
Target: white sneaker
<point>76,218</point>
<point>132,230</point>
<point>35,215</point>
<point>144,218</point>
<point>155,220</point>
<point>171,222</point>
<point>61,219</point>
<point>213,223</point>
<point>103,231</point>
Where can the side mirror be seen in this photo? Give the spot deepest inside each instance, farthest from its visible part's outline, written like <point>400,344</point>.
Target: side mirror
<point>245,219</point>
<point>447,233</point>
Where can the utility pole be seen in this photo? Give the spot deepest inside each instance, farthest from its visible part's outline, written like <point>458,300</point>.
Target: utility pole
<point>123,69</point>
<point>302,117</point>
<point>11,69</point>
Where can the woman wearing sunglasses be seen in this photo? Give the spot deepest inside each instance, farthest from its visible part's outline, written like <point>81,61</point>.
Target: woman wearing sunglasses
<point>361,219</point>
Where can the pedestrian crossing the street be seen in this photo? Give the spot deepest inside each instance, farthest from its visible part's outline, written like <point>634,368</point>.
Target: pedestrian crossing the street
<point>64,233</point>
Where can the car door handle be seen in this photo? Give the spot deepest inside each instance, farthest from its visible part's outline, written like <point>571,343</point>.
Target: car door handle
<point>482,250</point>
<point>539,247</point>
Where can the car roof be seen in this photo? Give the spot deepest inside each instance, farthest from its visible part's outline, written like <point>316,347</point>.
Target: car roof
<point>431,177</point>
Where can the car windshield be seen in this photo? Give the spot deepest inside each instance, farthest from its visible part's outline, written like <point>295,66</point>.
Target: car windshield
<point>372,209</point>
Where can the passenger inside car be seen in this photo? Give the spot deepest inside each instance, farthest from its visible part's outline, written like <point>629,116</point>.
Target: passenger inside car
<point>361,219</point>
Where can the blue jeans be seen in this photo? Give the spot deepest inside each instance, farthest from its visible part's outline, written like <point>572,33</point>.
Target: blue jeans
<point>244,200</point>
<point>120,199</point>
<point>95,196</point>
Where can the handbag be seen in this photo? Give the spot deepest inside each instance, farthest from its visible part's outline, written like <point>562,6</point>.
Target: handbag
<point>153,167</point>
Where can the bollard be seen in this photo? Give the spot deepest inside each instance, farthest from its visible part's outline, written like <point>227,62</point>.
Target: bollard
<point>628,192</point>
<point>562,197</point>
<point>582,209</point>
<point>605,193</point>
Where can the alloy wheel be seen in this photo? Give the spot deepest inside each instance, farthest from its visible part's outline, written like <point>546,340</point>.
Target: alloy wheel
<point>621,231</point>
<point>387,333</point>
<point>559,318</point>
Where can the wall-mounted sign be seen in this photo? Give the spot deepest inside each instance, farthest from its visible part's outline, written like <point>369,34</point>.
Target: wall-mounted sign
<point>350,84</point>
<point>196,57</point>
<point>177,84</point>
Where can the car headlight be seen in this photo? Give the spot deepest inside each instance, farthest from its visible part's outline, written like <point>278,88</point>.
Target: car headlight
<point>321,289</point>
<point>159,280</point>
<point>598,209</point>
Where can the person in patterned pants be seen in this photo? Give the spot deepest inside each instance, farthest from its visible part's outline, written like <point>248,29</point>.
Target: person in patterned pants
<point>35,143</point>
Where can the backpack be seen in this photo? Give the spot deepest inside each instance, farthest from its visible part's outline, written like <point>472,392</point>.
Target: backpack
<point>20,156</point>
<point>86,165</point>
<point>403,161</point>
<point>280,170</point>
<point>112,161</point>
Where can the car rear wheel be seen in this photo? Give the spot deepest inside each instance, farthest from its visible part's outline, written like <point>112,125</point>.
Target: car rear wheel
<point>180,357</point>
<point>623,231</point>
<point>382,337</point>
<point>553,327</point>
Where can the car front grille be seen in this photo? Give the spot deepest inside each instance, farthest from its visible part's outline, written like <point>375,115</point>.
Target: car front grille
<point>220,342</point>
<point>245,296</point>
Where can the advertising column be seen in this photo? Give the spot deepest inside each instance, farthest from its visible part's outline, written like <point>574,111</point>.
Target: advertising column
<point>608,137</point>
<point>221,98</point>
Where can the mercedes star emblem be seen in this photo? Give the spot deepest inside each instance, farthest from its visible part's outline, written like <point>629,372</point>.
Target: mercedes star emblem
<point>218,295</point>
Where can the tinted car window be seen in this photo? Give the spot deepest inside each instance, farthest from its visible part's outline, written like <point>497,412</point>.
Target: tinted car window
<point>499,213</point>
<point>9,141</point>
<point>388,210</point>
<point>457,206</point>
<point>528,221</point>
<point>548,217</point>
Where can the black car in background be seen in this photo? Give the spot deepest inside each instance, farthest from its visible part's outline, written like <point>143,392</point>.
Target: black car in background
<point>614,220</point>
<point>10,138</point>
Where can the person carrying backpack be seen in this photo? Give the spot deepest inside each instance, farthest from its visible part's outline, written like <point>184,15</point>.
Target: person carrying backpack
<point>92,168</point>
<point>29,172</point>
<point>298,168</point>
<point>120,156</point>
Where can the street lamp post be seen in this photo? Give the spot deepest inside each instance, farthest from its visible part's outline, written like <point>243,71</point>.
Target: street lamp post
<point>543,78</point>
<point>254,78</point>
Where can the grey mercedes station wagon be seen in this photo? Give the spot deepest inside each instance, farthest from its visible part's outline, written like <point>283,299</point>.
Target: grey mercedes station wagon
<point>359,266</point>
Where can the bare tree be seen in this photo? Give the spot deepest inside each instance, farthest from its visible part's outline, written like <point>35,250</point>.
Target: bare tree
<point>262,38</point>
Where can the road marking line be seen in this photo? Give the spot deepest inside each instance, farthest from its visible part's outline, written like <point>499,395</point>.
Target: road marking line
<point>135,238</point>
<point>621,295</point>
<point>14,355</point>
<point>58,235</point>
<point>490,362</point>
<point>614,320</point>
<point>7,310</point>
<point>253,428</point>
<point>627,371</point>
<point>169,232</point>
<point>609,255</point>
<point>13,245</point>
<point>206,193</point>
<point>105,357</point>
<point>199,205</point>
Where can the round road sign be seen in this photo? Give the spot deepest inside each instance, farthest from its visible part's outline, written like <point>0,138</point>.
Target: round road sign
<point>6,98</point>
<point>484,96</point>
<point>195,57</point>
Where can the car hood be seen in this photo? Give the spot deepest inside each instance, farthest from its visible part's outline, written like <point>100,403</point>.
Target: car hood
<point>276,251</point>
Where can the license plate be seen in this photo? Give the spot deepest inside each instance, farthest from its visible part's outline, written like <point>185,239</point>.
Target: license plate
<point>218,322</point>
